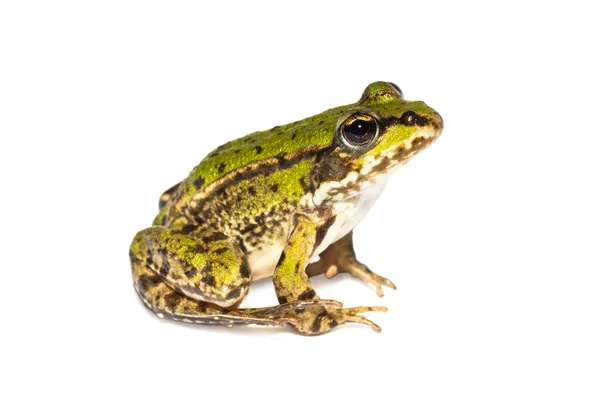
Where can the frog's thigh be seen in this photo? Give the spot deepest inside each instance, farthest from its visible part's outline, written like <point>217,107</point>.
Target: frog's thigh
<point>205,266</point>
<point>168,302</point>
<point>290,279</point>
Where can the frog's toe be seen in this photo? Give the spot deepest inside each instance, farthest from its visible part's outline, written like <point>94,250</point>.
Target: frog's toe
<point>379,282</point>
<point>362,320</point>
<point>353,315</point>
<point>321,316</point>
<point>363,273</point>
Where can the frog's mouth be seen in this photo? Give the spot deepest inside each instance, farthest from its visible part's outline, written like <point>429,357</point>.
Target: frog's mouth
<point>394,157</point>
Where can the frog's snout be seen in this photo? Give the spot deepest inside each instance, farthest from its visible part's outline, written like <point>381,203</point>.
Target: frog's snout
<point>437,122</point>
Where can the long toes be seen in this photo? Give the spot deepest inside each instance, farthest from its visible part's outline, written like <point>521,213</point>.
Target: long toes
<point>321,302</point>
<point>385,282</point>
<point>302,304</point>
<point>362,320</point>
<point>361,310</point>
<point>388,283</point>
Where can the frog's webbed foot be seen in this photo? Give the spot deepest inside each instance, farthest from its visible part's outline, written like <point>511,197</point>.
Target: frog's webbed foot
<point>362,272</point>
<point>340,257</point>
<point>331,265</point>
<point>317,317</point>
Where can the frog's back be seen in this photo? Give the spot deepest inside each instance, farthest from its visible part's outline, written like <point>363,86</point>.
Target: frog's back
<point>257,147</point>
<point>259,153</point>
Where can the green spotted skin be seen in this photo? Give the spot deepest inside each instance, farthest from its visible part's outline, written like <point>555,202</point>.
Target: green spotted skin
<point>266,203</point>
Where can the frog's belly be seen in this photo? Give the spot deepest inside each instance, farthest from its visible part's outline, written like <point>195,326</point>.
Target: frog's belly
<point>348,214</point>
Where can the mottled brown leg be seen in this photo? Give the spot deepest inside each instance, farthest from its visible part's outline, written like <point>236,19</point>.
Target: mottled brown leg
<point>340,257</point>
<point>161,297</point>
<point>292,284</point>
<point>198,277</point>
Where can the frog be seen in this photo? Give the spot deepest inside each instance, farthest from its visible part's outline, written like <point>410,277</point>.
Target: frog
<point>281,204</point>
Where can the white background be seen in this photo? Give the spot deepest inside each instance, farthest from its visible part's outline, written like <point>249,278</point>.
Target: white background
<point>492,235</point>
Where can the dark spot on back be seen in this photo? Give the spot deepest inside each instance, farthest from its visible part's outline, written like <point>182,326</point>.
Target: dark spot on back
<point>282,299</point>
<point>221,167</point>
<point>293,135</point>
<point>275,188</point>
<point>199,182</point>
<point>284,162</point>
<point>258,149</point>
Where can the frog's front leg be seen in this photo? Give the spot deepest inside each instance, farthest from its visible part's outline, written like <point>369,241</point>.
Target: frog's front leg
<point>340,257</point>
<point>292,284</point>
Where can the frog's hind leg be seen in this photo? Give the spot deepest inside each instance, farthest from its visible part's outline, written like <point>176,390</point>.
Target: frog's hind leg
<point>203,265</point>
<point>181,277</point>
<point>167,302</point>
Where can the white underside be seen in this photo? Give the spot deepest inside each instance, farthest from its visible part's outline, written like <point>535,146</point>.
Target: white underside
<point>349,213</point>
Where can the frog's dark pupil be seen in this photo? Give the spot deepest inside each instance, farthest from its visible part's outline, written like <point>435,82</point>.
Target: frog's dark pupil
<point>359,130</point>
<point>360,127</point>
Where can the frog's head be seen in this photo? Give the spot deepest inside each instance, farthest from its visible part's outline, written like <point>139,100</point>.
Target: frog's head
<point>375,136</point>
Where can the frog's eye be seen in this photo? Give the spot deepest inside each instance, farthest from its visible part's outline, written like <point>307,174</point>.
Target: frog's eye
<point>359,130</point>
<point>401,95</point>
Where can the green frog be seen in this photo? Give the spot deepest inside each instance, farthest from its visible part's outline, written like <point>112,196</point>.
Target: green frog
<point>267,204</point>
